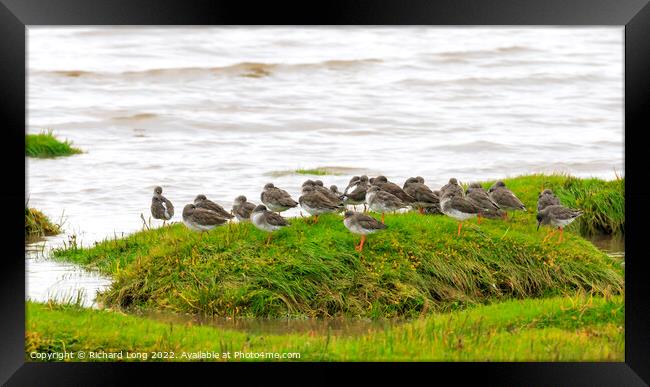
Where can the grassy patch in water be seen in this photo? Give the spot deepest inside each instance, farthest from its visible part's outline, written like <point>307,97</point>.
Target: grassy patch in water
<point>417,265</point>
<point>46,145</point>
<point>557,329</point>
<point>316,171</point>
<point>38,224</point>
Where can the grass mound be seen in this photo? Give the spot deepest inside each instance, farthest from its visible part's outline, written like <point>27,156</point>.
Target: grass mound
<point>38,224</point>
<point>603,202</point>
<point>556,329</point>
<point>46,145</point>
<point>417,265</point>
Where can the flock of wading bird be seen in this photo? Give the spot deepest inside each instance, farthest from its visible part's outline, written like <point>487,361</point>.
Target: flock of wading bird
<point>379,194</point>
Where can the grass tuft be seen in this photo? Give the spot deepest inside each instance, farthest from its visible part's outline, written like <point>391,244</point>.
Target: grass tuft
<point>46,145</point>
<point>38,224</point>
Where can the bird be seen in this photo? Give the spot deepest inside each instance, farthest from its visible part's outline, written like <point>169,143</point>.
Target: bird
<point>318,186</point>
<point>434,210</point>
<point>242,208</point>
<point>545,199</point>
<point>558,216</point>
<point>201,219</point>
<point>358,194</point>
<point>424,197</point>
<point>335,190</point>
<point>383,183</point>
<point>161,207</point>
<point>505,198</point>
<point>277,199</point>
<point>202,202</point>
<point>316,203</point>
<point>454,204</point>
<point>453,185</point>
<point>476,194</point>
<point>361,224</point>
<point>383,201</point>
<point>266,220</point>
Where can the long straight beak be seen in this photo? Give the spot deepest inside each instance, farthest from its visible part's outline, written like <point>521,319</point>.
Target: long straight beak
<point>538,223</point>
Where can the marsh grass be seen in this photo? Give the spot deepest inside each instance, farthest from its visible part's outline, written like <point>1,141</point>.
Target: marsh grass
<point>46,145</point>
<point>576,328</point>
<point>38,225</point>
<point>416,266</point>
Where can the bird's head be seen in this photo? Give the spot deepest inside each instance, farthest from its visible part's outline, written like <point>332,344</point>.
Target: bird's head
<point>240,199</point>
<point>269,186</point>
<point>157,190</point>
<point>260,208</point>
<point>199,198</point>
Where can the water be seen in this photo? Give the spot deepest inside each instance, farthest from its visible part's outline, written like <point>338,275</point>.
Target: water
<point>221,111</point>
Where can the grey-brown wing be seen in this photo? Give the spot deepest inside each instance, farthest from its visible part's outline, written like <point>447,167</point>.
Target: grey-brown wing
<point>422,193</point>
<point>481,199</point>
<point>275,219</point>
<point>369,223</point>
<point>212,206</point>
<point>461,204</point>
<point>359,193</point>
<point>207,217</point>
<point>398,192</point>
<point>169,206</point>
<point>564,213</point>
<point>390,199</point>
<point>505,198</point>
<point>283,198</point>
<point>157,210</point>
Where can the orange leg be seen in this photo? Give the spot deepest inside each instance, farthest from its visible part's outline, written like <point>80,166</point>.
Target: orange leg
<point>460,225</point>
<point>561,233</point>
<point>421,210</point>
<point>316,219</point>
<point>363,240</point>
<point>505,215</point>
<point>268,240</point>
<point>548,235</point>
<point>478,217</point>
<point>382,217</point>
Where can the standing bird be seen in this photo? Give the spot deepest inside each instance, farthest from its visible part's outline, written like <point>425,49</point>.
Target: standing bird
<point>266,220</point>
<point>353,182</point>
<point>277,199</point>
<point>424,197</point>
<point>478,195</point>
<point>357,195</point>
<point>392,188</point>
<point>505,198</point>
<point>242,208</point>
<point>557,216</point>
<point>545,199</point>
<point>318,187</point>
<point>452,185</point>
<point>454,204</point>
<point>434,210</point>
<point>202,202</point>
<point>335,190</point>
<point>201,219</point>
<point>315,203</point>
<point>383,201</point>
<point>161,207</point>
<point>361,224</point>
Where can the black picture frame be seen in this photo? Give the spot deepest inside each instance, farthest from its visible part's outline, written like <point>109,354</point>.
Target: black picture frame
<point>17,15</point>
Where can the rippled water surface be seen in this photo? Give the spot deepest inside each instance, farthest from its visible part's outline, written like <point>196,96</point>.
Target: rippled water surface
<point>221,111</point>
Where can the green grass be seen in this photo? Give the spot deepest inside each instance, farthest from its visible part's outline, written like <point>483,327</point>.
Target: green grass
<point>603,202</point>
<point>46,145</point>
<point>38,224</point>
<point>575,328</point>
<point>415,266</point>
<point>317,172</point>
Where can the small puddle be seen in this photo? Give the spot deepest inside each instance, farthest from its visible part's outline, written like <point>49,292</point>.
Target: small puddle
<point>263,326</point>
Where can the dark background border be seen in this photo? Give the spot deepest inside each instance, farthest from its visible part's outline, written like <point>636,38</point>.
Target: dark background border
<point>634,14</point>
